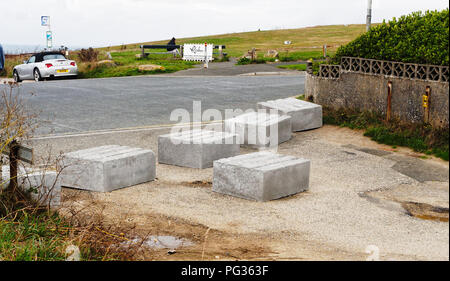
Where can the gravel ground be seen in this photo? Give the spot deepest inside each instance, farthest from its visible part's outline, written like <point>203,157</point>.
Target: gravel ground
<point>336,219</point>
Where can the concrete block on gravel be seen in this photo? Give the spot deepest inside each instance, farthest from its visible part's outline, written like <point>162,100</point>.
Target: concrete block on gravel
<point>260,129</point>
<point>107,168</point>
<point>305,115</point>
<point>196,148</point>
<point>43,186</point>
<point>261,176</point>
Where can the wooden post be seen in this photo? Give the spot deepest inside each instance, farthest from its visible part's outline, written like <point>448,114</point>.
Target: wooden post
<point>143,52</point>
<point>325,50</point>
<point>13,159</point>
<point>1,171</point>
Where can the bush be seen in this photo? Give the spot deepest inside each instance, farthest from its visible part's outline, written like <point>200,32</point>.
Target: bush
<point>416,38</point>
<point>243,61</point>
<point>87,55</point>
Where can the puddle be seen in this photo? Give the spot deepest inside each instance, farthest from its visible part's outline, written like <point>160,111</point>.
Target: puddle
<point>161,242</point>
<point>425,211</point>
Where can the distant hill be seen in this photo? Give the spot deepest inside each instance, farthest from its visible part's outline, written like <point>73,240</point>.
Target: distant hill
<point>303,39</point>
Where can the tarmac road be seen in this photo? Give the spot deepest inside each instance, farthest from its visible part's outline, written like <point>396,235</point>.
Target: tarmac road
<point>73,106</point>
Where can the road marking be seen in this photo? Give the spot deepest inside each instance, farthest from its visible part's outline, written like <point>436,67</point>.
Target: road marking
<point>123,130</point>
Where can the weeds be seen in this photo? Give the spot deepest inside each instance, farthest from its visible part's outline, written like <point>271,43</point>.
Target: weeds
<point>88,55</point>
<point>420,137</point>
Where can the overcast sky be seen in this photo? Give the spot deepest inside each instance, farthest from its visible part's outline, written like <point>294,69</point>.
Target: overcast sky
<point>111,22</point>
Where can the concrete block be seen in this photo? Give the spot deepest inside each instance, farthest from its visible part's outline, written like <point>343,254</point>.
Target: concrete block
<point>196,148</point>
<point>261,176</point>
<point>107,168</point>
<point>260,129</point>
<point>305,115</point>
<point>44,186</point>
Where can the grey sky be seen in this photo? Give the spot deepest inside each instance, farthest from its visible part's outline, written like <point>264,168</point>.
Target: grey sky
<point>112,22</point>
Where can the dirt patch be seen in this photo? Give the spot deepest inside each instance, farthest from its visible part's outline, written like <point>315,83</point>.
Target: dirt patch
<point>120,228</point>
<point>426,211</point>
<point>198,183</point>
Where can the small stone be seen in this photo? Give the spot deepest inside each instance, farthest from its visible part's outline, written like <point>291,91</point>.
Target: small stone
<point>150,67</point>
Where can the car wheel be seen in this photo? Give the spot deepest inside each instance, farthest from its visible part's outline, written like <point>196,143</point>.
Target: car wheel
<point>16,77</point>
<point>37,75</point>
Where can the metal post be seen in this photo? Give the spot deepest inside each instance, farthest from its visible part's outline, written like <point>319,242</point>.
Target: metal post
<point>325,50</point>
<point>206,56</point>
<point>220,52</point>
<point>389,102</point>
<point>369,15</point>
<point>426,104</point>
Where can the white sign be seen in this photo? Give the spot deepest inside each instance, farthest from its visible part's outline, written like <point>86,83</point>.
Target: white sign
<point>197,52</point>
<point>49,39</point>
<point>45,20</point>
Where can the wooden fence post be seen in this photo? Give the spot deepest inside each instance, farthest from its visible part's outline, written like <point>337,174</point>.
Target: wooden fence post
<point>13,159</point>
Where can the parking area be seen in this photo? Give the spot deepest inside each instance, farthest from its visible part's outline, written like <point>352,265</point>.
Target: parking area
<point>82,105</point>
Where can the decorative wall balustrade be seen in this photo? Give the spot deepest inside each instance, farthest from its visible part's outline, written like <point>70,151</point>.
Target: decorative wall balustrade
<point>396,69</point>
<point>329,71</point>
<point>386,68</point>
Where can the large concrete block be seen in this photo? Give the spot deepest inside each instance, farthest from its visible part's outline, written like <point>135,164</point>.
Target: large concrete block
<point>44,186</point>
<point>107,168</point>
<point>260,129</point>
<point>261,176</point>
<point>196,148</point>
<point>305,115</point>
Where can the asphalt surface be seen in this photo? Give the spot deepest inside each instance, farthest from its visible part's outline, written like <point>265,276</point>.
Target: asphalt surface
<point>73,106</point>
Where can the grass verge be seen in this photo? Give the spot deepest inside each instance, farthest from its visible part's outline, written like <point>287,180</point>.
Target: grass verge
<point>29,233</point>
<point>299,67</point>
<point>419,137</point>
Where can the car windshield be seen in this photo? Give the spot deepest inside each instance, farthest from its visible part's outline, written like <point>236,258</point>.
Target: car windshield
<point>54,57</point>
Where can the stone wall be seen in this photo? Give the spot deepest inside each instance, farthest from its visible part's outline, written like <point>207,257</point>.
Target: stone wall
<point>369,92</point>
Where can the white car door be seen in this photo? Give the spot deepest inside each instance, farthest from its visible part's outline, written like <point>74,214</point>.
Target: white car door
<point>27,69</point>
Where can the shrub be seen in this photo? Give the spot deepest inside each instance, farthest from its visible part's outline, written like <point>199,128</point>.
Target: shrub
<point>243,61</point>
<point>415,38</point>
<point>87,55</point>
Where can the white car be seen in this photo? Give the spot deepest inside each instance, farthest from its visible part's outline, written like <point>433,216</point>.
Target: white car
<point>45,65</point>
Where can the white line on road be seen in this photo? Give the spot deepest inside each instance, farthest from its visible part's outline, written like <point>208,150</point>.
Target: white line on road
<point>123,130</point>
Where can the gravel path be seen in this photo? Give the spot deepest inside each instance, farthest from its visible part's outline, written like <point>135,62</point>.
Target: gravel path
<point>338,218</point>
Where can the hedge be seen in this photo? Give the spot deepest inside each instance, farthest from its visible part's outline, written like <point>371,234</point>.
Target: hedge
<point>415,38</point>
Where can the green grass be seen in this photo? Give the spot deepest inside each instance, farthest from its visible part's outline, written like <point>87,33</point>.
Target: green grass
<point>299,67</point>
<point>420,137</point>
<point>128,65</point>
<point>35,237</point>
